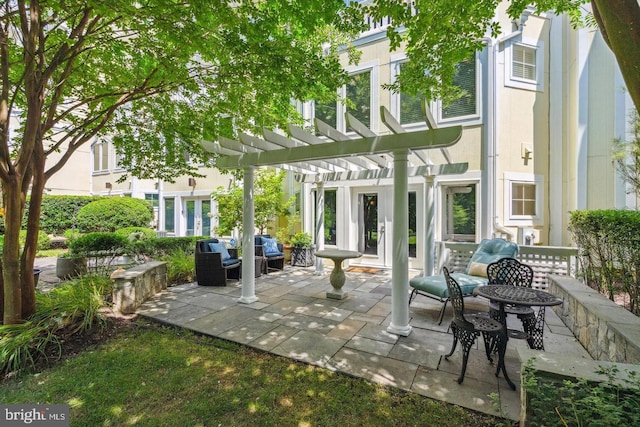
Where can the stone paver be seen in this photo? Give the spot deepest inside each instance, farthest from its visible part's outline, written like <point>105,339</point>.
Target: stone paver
<point>293,318</point>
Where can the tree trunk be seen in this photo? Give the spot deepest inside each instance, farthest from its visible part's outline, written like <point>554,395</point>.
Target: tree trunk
<point>33,227</point>
<point>619,22</point>
<point>14,205</point>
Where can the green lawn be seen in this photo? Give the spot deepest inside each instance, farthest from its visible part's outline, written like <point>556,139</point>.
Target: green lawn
<point>150,375</point>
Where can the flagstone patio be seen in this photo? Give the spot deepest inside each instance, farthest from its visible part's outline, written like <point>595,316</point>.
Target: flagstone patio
<point>294,318</point>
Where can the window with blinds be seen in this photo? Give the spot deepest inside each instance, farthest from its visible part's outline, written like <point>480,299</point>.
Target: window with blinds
<point>465,79</point>
<point>523,62</point>
<point>410,106</point>
<point>101,157</point>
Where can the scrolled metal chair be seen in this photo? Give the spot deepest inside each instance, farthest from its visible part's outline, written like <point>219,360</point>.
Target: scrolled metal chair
<point>510,271</point>
<point>467,328</point>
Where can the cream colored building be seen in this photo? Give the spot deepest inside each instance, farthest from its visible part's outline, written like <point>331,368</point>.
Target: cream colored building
<point>546,103</point>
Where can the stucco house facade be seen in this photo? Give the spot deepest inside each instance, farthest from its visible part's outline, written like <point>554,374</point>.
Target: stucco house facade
<point>544,103</point>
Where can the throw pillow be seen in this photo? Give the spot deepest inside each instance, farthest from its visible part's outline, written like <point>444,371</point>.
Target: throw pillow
<point>478,269</point>
<point>270,246</point>
<point>221,248</point>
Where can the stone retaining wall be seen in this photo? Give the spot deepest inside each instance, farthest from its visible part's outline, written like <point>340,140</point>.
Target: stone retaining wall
<point>606,330</point>
<point>134,286</point>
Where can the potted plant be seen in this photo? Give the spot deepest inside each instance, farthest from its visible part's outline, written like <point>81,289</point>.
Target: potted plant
<point>302,250</point>
<point>70,265</point>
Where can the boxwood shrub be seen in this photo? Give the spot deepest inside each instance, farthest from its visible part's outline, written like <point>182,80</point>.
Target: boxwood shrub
<point>112,213</point>
<point>93,243</point>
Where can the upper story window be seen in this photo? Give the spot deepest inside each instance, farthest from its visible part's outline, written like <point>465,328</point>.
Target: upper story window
<point>361,97</point>
<point>466,78</point>
<point>100,157</point>
<point>408,108</point>
<point>524,64</point>
<point>358,93</point>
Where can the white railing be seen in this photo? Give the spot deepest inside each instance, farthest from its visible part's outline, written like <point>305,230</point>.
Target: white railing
<point>376,25</point>
<point>544,260</point>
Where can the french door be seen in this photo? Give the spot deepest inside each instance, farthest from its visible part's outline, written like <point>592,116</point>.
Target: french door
<point>197,218</point>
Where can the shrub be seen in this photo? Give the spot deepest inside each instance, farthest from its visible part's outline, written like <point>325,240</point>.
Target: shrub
<point>44,242</point>
<point>301,240</point>
<point>112,213</point>
<point>92,243</point>
<point>58,213</point>
<point>163,246</point>
<point>181,267</point>
<point>609,243</point>
<point>68,309</point>
<point>141,233</point>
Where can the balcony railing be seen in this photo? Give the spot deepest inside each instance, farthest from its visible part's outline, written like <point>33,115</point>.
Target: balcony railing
<point>378,25</point>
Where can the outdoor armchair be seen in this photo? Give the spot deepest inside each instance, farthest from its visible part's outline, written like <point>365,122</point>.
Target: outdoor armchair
<point>215,263</point>
<point>270,251</point>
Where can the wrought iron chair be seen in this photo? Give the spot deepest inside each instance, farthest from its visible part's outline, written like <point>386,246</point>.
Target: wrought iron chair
<point>509,271</point>
<point>468,327</point>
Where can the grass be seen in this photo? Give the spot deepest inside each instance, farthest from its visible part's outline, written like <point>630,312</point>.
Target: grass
<point>150,375</point>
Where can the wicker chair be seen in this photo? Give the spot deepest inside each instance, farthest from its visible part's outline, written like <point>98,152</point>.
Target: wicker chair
<point>509,271</point>
<point>272,259</point>
<point>467,328</point>
<point>212,269</point>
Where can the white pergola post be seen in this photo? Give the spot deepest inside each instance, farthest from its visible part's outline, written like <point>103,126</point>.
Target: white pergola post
<point>319,226</point>
<point>400,247</point>
<point>248,244</point>
<point>429,222</point>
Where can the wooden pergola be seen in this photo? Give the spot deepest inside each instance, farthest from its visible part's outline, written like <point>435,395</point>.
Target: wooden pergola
<point>337,156</point>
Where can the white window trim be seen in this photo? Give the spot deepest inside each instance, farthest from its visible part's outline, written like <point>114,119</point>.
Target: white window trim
<point>436,106</point>
<point>373,68</point>
<point>518,82</point>
<point>523,220</point>
<point>102,145</point>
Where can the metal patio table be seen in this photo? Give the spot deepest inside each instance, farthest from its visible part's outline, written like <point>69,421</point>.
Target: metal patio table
<point>508,294</point>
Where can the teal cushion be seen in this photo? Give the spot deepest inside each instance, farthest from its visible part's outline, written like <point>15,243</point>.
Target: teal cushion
<point>437,285</point>
<point>491,250</point>
<point>221,248</point>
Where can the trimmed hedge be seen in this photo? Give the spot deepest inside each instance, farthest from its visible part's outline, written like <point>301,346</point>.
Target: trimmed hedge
<point>112,213</point>
<point>609,243</point>
<point>91,243</point>
<point>58,213</point>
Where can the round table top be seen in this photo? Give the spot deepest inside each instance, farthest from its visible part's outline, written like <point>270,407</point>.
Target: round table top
<point>338,254</point>
<point>517,295</point>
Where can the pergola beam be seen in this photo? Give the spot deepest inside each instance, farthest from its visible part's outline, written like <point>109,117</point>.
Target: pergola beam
<point>434,138</point>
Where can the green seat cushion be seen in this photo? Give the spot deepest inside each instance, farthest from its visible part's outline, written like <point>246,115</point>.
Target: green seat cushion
<point>437,286</point>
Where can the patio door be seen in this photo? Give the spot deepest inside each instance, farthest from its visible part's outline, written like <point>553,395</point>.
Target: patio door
<point>371,227</point>
<point>197,220</point>
<point>459,213</point>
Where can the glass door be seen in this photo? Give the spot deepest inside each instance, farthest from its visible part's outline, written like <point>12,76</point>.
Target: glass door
<point>198,221</point>
<point>370,227</point>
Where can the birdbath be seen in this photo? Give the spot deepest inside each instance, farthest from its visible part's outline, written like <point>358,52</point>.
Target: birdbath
<point>337,277</point>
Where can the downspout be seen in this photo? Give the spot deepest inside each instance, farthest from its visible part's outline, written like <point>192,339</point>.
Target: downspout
<point>491,180</point>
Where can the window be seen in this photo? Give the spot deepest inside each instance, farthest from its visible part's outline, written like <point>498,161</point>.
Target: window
<point>466,80</point>
<point>524,64</point>
<point>169,215</point>
<point>408,108</point>
<point>358,92</point>
<point>327,113</point>
<point>152,198</point>
<point>101,157</point>
<point>523,199</point>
